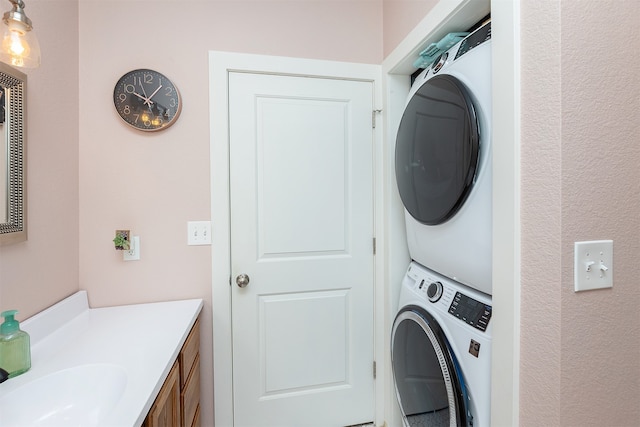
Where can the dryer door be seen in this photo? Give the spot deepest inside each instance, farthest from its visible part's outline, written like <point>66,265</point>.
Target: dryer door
<point>437,150</point>
<point>429,385</point>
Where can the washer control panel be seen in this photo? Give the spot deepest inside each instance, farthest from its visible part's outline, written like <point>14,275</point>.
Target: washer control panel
<point>470,311</point>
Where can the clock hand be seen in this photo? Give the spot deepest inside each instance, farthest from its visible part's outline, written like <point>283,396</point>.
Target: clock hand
<point>147,100</point>
<point>154,92</point>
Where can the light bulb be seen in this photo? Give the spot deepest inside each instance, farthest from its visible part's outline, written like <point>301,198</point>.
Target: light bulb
<point>20,46</point>
<point>16,47</point>
<point>16,44</point>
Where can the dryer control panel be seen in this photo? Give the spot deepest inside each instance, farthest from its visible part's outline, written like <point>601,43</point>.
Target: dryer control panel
<point>476,38</point>
<point>470,311</point>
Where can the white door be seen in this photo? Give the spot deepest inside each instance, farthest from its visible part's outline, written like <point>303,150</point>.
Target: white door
<point>301,178</point>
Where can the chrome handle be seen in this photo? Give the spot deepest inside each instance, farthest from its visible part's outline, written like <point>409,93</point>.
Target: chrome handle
<point>242,280</point>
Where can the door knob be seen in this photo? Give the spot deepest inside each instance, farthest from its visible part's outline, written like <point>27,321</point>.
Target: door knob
<point>242,280</point>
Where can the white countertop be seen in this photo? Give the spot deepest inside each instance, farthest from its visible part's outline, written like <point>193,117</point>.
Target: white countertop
<point>143,339</point>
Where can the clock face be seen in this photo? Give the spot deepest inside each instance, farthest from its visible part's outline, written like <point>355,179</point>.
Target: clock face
<point>147,100</point>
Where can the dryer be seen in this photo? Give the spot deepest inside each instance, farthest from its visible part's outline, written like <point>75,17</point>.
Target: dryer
<point>441,352</point>
<point>443,163</point>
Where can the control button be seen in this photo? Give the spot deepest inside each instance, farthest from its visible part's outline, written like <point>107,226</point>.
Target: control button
<point>439,62</point>
<point>434,291</point>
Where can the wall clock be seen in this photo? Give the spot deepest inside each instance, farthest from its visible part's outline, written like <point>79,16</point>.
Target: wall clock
<point>147,100</point>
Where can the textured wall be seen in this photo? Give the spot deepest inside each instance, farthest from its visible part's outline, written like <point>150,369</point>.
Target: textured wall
<point>600,382</point>
<point>580,352</point>
<point>541,213</point>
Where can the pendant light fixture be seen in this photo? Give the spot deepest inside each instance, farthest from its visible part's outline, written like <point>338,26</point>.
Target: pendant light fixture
<point>20,46</point>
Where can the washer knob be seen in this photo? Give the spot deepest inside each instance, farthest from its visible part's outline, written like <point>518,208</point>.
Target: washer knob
<point>439,62</point>
<point>434,291</point>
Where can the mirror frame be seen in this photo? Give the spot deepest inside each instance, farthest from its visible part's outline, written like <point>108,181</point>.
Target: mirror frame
<point>14,85</point>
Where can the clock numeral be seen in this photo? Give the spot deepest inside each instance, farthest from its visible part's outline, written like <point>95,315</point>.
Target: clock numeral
<point>128,88</point>
<point>157,121</point>
<point>122,97</point>
<point>126,109</point>
<point>146,78</point>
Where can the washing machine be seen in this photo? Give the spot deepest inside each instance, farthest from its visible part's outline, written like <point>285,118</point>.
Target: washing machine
<point>441,352</point>
<point>443,163</point>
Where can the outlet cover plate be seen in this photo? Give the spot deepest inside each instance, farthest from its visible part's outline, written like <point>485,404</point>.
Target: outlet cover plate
<point>593,265</point>
<point>133,254</point>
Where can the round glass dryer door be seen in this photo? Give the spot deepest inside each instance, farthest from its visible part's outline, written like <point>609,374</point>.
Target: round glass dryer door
<point>437,150</point>
<point>429,386</point>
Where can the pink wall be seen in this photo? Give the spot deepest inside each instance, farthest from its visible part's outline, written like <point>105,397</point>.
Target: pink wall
<point>601,200</point>
<point>580,181</point>
<point>399,18</point>
<point>154,183</point>
<point>541,200</point>
<point>44,269</point>
<point>579,356</point>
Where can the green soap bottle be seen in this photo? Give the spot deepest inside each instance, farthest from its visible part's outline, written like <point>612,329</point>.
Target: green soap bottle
<point>15,349</point>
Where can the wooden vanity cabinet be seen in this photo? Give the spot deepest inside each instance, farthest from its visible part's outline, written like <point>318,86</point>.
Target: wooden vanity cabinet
<point>165,411</point>
<point>189,360</point>
<point>178,402</point>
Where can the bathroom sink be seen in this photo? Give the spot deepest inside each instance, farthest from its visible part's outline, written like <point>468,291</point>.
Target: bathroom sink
<point>77,396</point>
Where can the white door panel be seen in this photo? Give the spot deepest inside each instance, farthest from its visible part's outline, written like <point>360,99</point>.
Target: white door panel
<point>303,218</point>
<point>301,229</point>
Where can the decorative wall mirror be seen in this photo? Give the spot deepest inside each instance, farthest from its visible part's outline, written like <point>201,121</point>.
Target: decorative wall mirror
<point>13,189</point>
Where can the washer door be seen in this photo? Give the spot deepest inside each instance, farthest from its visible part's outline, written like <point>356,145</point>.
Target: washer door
<point>437,150</point>
<point>429,386</point>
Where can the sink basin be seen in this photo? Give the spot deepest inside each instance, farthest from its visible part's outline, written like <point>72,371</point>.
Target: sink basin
<point>78,396</point>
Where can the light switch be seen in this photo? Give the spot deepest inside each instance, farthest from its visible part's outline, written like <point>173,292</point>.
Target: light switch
<point>593,265</point>
<point>199,233</point>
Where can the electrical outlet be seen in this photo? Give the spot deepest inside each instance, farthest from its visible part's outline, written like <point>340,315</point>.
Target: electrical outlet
<point>593,265</point>
<point>199,233</point>
<point>133,254</point>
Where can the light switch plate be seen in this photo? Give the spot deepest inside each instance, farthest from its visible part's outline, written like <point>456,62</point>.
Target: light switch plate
<point>593,265</point>
<point>199,233</point>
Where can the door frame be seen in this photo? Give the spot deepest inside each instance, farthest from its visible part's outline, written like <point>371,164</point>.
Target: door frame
<point>220,65</point>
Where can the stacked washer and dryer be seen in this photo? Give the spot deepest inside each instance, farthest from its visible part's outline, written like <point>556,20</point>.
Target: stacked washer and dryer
<point>441,336</point>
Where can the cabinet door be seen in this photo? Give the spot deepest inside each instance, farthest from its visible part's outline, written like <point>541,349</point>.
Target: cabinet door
<point>190,378</point>
<point>190,398</point>
<point>166,409</point>
<point>189,353</point>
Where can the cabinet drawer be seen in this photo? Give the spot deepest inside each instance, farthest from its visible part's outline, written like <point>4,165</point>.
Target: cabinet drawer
<point>190,396</point>
<point>189,353</point>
